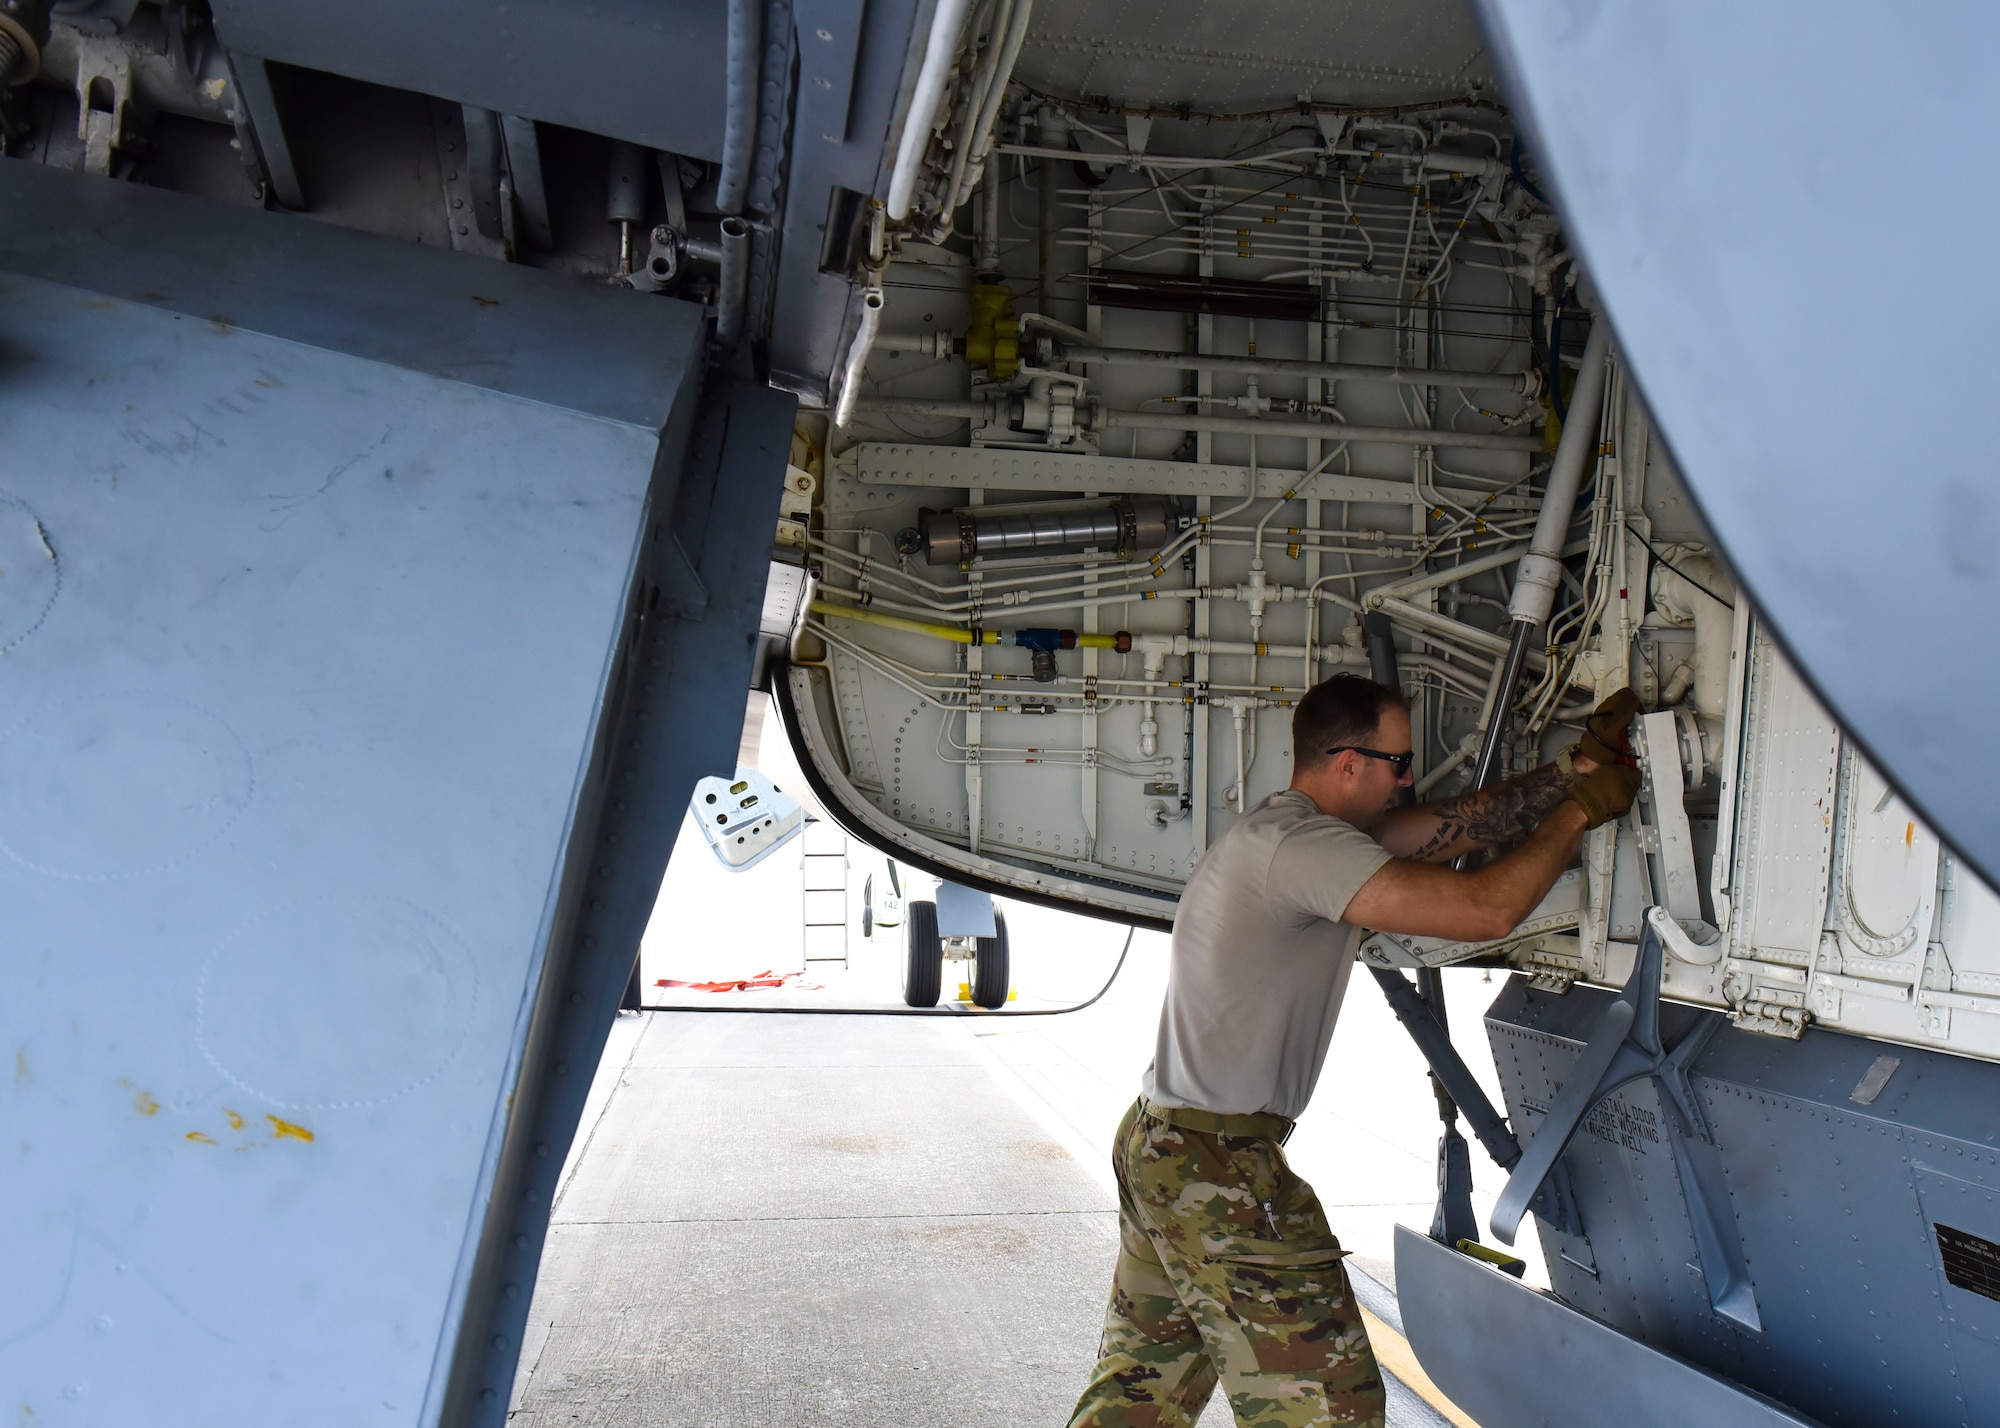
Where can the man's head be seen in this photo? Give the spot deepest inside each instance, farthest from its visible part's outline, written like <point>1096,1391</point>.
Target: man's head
<point>1351,747</point>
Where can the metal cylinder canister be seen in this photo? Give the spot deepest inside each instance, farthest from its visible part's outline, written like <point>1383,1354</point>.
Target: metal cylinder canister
<point>1121,526</point>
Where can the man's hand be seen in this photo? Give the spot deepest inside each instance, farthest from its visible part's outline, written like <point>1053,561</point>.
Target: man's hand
<point>1603,742</point>
<point>1606,794</point>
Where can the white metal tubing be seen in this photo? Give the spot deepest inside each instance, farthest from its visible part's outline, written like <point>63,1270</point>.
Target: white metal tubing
<point>1446,628</point>
<point>1437,579</point>
<point>927,344</point>
<point>1541,568</point>
<point>1118,158</point>
<point>940,49</point>
<point>1003,73</point>
<point>978,138</point>
<point>975,101</point>
<point>1102,420</point>
<point>919,406</point>
<point>1288,367</point>
<point>857,355</point>
<point>989,222</point>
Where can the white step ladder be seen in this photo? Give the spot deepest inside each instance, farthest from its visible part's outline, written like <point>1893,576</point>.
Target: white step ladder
<point>823,879</point>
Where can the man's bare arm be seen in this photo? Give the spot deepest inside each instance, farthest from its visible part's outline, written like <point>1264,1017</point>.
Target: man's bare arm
<point>1422,899</point>
<point>1438,832</point>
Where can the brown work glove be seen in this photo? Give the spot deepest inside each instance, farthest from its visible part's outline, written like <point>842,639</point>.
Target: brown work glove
<point>1603,739</point>
<point>1606,794</point>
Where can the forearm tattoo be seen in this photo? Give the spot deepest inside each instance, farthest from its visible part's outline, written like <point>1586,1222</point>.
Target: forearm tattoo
<point>1499,814</point>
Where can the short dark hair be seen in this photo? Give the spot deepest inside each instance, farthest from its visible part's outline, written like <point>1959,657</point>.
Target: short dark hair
<point>1343,710</point>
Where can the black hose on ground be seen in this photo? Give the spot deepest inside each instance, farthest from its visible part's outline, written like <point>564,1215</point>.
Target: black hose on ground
<point>951,1011</point>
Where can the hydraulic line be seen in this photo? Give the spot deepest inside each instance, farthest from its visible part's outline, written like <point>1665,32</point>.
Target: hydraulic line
<point>1535,585</point>
<point>940,50</point>
<point>1105,420</point>
<point>1287,367</point>
<point>1041,643</point>
<point>957,634</point>
<point>954,633</point>
<point>1010,31</point>
<point>1541,568</point>
<point>974,97</point>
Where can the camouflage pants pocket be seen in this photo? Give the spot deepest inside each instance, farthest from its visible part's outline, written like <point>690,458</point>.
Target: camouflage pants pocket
<point>1282,1321</point>
<point>1287,1298</point>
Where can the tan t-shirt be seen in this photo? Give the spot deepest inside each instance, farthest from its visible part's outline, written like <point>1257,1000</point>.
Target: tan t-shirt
<point>1261,960</point>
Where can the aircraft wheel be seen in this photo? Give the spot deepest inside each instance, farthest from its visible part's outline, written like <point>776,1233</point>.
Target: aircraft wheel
<point>992,974</point>
<point>923,960</point>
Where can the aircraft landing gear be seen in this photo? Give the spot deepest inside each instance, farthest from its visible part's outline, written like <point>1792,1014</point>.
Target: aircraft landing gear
<point>923,956</point>
<point>990,969</point>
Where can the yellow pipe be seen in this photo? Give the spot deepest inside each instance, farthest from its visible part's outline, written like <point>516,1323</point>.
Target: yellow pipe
<point>896,622</point>
<point>955,633</point>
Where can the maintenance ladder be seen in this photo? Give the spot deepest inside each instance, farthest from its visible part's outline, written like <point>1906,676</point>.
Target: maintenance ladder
<point>823,878</point>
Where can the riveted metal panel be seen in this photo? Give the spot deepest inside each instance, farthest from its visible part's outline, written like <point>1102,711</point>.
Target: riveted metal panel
<point>1785,824</point>
<point>1832,1199</point>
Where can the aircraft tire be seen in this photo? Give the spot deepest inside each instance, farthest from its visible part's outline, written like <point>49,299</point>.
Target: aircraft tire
<point>992,973</point>
<point>923,960</point>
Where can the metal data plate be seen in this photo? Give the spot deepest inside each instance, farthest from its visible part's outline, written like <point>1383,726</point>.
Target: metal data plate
<point>305,654</point>
<point>745,819</point>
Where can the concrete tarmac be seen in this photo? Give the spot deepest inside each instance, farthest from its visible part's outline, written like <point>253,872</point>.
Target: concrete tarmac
<point>815,1220</point>
<point>822,1220</point>
<point>798,1219</point>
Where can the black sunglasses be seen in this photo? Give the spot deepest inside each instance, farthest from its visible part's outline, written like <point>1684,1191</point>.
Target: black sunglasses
<point>1400,762</point>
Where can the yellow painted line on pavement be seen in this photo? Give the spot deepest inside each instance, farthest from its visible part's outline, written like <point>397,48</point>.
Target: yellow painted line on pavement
<point>1393,1352</point>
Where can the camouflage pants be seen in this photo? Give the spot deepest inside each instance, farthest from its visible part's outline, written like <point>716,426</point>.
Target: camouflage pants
<point>1226,1270</point>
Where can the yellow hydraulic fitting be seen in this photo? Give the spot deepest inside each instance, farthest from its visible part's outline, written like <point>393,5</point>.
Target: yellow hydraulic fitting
<point>992,340</point>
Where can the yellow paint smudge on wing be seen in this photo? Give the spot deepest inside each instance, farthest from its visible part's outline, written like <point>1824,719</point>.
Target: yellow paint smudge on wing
<point>235,1121</point>
<point>145,1105</point>
<point>1909,835</point>
<point>199,1139</point>
<point>285,1130</point>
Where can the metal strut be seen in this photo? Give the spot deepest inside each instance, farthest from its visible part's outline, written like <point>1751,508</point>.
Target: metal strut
<point>1553,1203</point>
<point>1625,1047</point>
<point>1453,1220</point>
<point>1421,1010</point>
